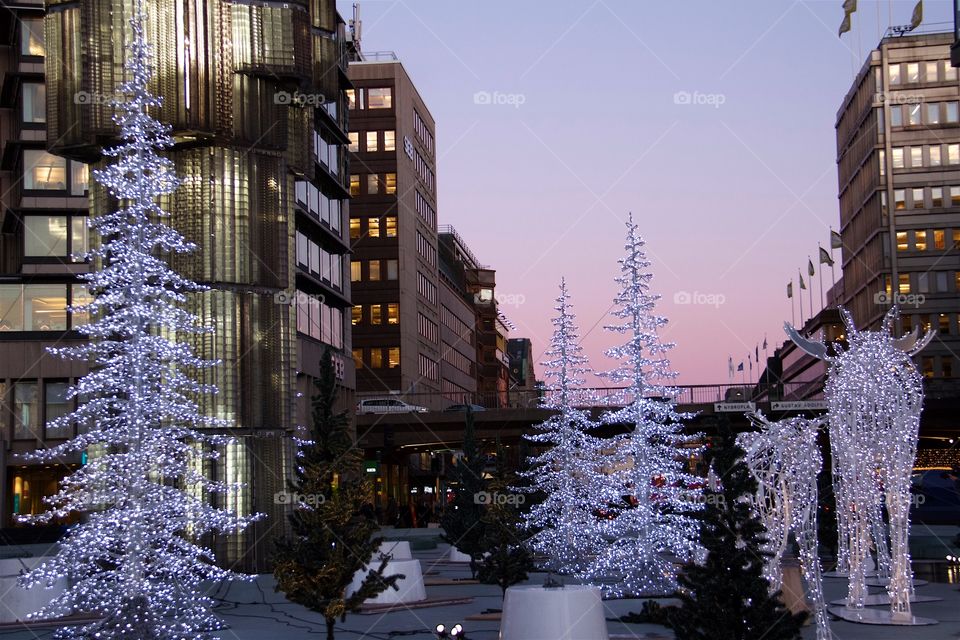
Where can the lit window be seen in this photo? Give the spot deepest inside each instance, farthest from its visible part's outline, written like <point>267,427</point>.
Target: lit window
<point>380,98</point>
<point>913,113</point>
<point>393,313</point>
<point>902,244</point>
<point>376,358</point>
<point>358,358</point>
<point>893,73</point>
<point>389,141</point>
<point>355,270</point>
<point>356,315</point>
<point>913,72</point>
<point>391,223</point>
<point>953,112</point>
<point>354,184</point>
<point>44,171</point>
<point>949,72</point>
<point>897,157</point>
<point>372,141</point>
<point>34,102</point>
<point>939,240</point>
<point>391,183</point>
<point>373,227</point>
<point>44,236</point>
<point>354,141</point>
<point>933,113</point>
<point>11,307</point>
<point>932,71</point>
<point>45,307</point>
<point>31,37</point>
<point>917,196</point>
<point>393,357</point>
<point>882,161</point>
<point>955,196</point>
<point>79,297</point>
<point>916,156</point>
<point>896,116</point>
<point>354,228</point>
<point>953,154</point>
<point>351,98</point>
<point>79,178</point>
<point>392,269</point>
<point>376,314</point>
<point>920,240</point>
<point>26,411</point>
<point>935,155</point>
<point>936,196</point>
<point>56,405</point>
<point>899,199</point>
<point>944,328</point>
<point>373,183</point>
<point>374,270</point>
<point>904,285</point>
<point>883,202</point>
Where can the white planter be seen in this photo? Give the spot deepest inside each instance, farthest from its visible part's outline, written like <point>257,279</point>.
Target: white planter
<point>398,549</point>
<point>409,588</point>
<point>572,613</point>
<point>17,602</point>
<point>456,556</point>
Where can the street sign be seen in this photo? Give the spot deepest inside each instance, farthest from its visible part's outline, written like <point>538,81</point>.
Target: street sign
<point>734,407</point>
<point>799,405</point>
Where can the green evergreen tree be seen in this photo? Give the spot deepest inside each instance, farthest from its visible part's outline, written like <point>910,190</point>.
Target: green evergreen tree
<point>507,560</point>
<point>462,520</point>
<point>331,539</point>
<point>727,597</point>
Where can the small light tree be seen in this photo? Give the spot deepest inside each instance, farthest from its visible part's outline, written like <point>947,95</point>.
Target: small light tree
<point>332,540</point>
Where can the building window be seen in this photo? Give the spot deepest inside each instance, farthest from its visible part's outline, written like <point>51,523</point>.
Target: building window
<point>31,37</point>
<point>936,197</point>
<point>372,141</point>
<point>393,313</point>
<point>949,72</point>
<point>953,154</point>
<point>935,155</point>
<point>899,199</point>
<point>933,113</point>
<point>379,98</point>
<point>393,357</point>
<point>391,183</point>
<point>358,358</point>
<point>389,140</point>
<point>44,236</point>
<point>946,366</point>
<point>916,157</point>
<point>374,270</point>
<point>938,240</point>
<point>391,226</point>
<point>904,283</point>
<point>44,171</point>
<point>79,298</point>
<point>354,228</point>
<point>917,195</point>
<point>376,358</point>
<point>373,183</point>
<point>352,95</point>
<point>354,184</point>
<point>26,411</point>
<point>34,102</point>
<point>897,157</point>
<point>356,315</point>
<point>893,74</point>
<point>953,112</point>
<point>927,366</point>
<point>376,314</point>
<point>373,227</point>
<point>392,269</point>
<point>920,241</point>
<point>913,72</point>
<point>896,116</point>
<point>932,71</point>
<point>56,405</point>
<point>902,243</point>
<point>355,271</point>
<point>354,141</point>
<point>941,281</point>
<point>45,307</point>
<point>913,114</point>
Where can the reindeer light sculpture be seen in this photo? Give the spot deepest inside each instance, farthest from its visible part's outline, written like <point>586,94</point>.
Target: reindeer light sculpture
<point>874,396</point>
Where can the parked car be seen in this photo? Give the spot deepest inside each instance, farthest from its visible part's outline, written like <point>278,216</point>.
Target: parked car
<point>464,407</point>
<point>387,405</point>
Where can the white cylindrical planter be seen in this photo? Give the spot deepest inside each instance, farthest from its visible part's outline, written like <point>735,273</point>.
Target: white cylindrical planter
<point>409,588</point>
<point>398,549</point>
<point>573,612</point>
<point>19,603</point>
<point>456,555</point>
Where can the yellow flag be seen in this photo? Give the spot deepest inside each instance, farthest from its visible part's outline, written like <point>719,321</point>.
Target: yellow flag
<point>849,6</point>
<point>845,25</point>
<point>917,15</point>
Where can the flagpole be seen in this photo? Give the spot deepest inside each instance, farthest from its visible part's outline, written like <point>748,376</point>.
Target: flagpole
<point>810,290</point>
<point>800,298</point>
<point>793,307</point>
<point>822,303</point>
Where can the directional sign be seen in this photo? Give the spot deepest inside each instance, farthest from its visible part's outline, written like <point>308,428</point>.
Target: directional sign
<point>734,407</point>
<point>799,405</point>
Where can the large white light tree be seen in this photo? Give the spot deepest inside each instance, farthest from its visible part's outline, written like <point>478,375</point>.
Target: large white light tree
<point>650,491</point>
<point>133,561</point>
<point>569,471</point>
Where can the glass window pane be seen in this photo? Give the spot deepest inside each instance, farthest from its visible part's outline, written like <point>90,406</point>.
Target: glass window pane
<point>354,185</point>
<point>379,98</point>
<point>26,411</point>
<point>953,114</point>
<point>392,269</point>
<point>355,271</point>
<point>933,113</point>
<point>894,73</point>
<point>393,313</point>
<point>917,198</point>
<point>79,238</point>
<point>31,37</point>
<point>393,356</point>
<point>932,71</point>
<point>34,102</point>
<point>896,116</point>
<point>44,236</point>
<point>11,307</point>
<point>897,157</point>
<point>913,72</point>
<point>935,155</point>
<point>356,315</point>
<point>376,314</point>
<point>42,170</point>
<point>391,226</point>
<point>354,141</point>
<point>45,307</point>
<point>373,183</point>
<point>953,154</point>
<point>57,406</point>
<point>372,141</point>
<point>374,269</point>
<point>936,196</point>
<point>391,183</point>
<point>351,98</point>
<point>899,199</point>
<point>913,113</point>
<point>79,178</point>
<point>916,156</point>
<point>373,227</point>
<point>389,141</point>
<point>79,297</point>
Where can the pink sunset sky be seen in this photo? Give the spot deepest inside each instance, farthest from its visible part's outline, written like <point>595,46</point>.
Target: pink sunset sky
<point>713,122</point>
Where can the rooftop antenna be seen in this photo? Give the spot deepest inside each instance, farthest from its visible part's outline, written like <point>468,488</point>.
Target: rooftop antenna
<point>356,26</point>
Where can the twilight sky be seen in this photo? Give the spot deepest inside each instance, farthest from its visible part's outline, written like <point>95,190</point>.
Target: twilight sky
<point>712,121</point>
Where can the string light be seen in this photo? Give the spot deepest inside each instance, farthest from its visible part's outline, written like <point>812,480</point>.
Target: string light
<point>133,561</point>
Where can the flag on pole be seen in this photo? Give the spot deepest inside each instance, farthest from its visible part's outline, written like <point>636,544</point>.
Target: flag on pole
<point>803,285</point>
<point>764,343</point>
<point>790,289</point>
<point>730,366</point>
<point>756,351</point>
<point>835,241</point>
<point>825,257</point>
<point>810,266</point>
<point>917,17</point>
<point>849,6</point>
<point>845,25</point>
<point>740,367</point>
